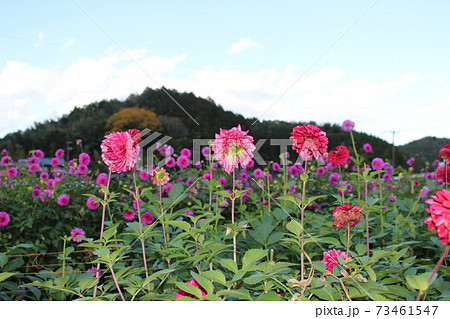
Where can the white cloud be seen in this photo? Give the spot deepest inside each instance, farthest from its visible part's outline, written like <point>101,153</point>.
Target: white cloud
<point>67,44</point>
<point>242,45</point>
<point>40,39</point>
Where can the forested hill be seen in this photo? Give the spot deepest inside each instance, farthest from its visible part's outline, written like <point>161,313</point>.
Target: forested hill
<point>425,149</point>
<point>88,124</point>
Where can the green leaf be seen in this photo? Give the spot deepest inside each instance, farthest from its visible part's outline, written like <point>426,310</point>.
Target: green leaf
<point>3,259</point>
<point>361,249</point>
<point>62,281</point>
<point>254,279</point>
<point>216,276</point>
<point>157,274</point>
<point>204,282</point>
<point>252,256</point>
<point>270,296</point>
<point>418,282</point>
<point>110,232</point>
<point>294,227</point>
<point>211,297</point>
<point>371,273</point>
<point>176,191</point>
<point>180,224</point>
<point>87,283</point>
<point>189,289</point>
<point>240,294</point>
<point>229,264</point>
<point>325,293</point>
<point>290,198</point>
<point>6,275</point>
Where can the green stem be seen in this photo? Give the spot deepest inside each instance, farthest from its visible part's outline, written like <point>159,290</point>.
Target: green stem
<point>366,198</point>
<point>232,219</point>
<point>357,164</point>
<point>116,283</point>
<point>302,213</point>
<point>439,263</point>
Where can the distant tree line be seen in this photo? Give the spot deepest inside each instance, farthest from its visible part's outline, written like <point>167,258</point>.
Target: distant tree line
<point>90,124</point>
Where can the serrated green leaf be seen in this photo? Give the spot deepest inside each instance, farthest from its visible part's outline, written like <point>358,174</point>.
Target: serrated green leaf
<point>215,276</point>
<point>87,283</point>
<point>180,224</point>
<point>189,289</point>
<point>294,227</point>
<point>62,281</point>
<point>418,282</point>
<point>203,282</point>
<point>252,256</point>
<point>229,264</point>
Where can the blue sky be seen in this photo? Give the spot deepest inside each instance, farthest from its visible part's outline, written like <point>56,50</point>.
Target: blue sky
<point>383,64</point>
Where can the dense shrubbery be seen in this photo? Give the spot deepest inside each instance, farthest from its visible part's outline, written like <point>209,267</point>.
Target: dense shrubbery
<point>186,229</point>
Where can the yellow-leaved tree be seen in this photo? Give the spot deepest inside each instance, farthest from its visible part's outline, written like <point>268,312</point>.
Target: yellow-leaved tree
<point>133,117</point>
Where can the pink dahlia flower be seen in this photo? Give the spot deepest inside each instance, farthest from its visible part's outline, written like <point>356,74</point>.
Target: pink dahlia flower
<point>120,150</point>
<point>44,176</point>
<point>330,258</point>
<point>59,153</point>
<point>129,215</point>
<point>84,158</point>
<point>345,215</point>
<point>440,215</point>
<point>443,174</point>
<point>233,147</point>
<point>147,218</point>
<point>102,179</point>
<point>222,181</point>
<point>258,173</point>
<point>205,151</point>
<point>159,176</point>
<point>182,293</point>
<point>82,169</point>
<point>33,168</point>
<point>169,162</point>
<point>276,167</point>
<point>6,160</point>
<point>377,164</point>
<point>185,152</point>
<point>367,148</point>
<point>45,195</point>
<point>63,200</point>
<point>90,203</point>
<point>75,232</point>
<point>144,175</point>
<point>347,125</point>
<point>36,193</point>
<point>11,172</point>
<point>309,141</point>
<point>339,155</point>
<point>38,153</point>
<point>55,162</point>
<point>183,161</point>
<point>4,219</point>
<point>334,178</point>
<point>320,170</point>
<point>444,153</point>
<point>4,152</point>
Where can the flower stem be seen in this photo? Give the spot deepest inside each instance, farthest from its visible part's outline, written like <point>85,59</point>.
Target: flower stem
<point>232,219</point>
<point>137,198</point>
<point>97,272</point>
<point>302,213</point>
<point>348,238</point>
<point>117,284</point>
<point>366,189</point>
<point>357,164</point>
<point>439,263</point>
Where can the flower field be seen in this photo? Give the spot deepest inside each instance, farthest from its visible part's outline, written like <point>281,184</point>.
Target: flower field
<point>328,225</point>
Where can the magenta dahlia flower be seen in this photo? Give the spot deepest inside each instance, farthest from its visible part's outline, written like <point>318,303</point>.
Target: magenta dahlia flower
<point>169,162</point>
<point>233,147</point>
<point>159,176</point>
<point>144,175</point>
<point>367,148</point>
<point>44,176</point>
<point>6,160</point>
<point>147,218</point>
<point>90,203</point>
<point>75,232</point>
<point>222,181</point>
<point>346,215</point>
<point>129,215</point>
<point>330,258</point>
<point>120,150</point>
<point>276,167</point>
<point>84,158</point>
<point>186,152</point>
<point>102,179</point>
<point>309,141</point>
<point>63,200</point>
<point>339,155</point>
<point>440,215</point>
<point>55,161</point>
<point>4,219</point>
<point>182,293</point>
<point>59,153</point>
<point>38,154</point>
<point>347,125</point>
<point>258,173</point>
<point>82,169</point>
<point>11,172</point>
<point>183,161</point>
<point>377,164</point>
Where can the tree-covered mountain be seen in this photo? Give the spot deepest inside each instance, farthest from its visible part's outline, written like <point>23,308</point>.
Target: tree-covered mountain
<point>424,150</point>
<point>88,123</point>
